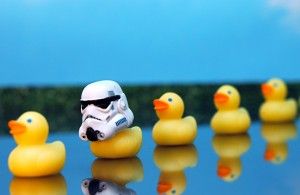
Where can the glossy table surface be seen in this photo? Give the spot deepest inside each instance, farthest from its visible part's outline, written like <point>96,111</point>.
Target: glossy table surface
<point>264,161</point>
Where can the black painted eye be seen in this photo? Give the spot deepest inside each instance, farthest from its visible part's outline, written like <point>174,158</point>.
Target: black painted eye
<point>229,92</point>
<point>173,191</point>
<point>232,176</point>
<point>29,120</point>
<point>170,99</point>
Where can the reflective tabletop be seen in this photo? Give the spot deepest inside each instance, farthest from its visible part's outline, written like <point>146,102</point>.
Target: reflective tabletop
<point>264,161</point>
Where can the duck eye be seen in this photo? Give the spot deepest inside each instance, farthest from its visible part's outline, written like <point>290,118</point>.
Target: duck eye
<point>29,120</point>
<point>170,99</point>
<point>173,191</point>
<point>229,92</point>
<point>232,176</point>
<point>85,183</point>
<point>275,85</point>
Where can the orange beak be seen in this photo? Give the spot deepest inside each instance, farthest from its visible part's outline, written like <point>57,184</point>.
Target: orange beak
<point>220,98</point>
<point>163,187</point>
<point>269,155</point>
<point>16,127</point>
<point>160,105</point>
<point>266,89</point>
<point>223,171</point>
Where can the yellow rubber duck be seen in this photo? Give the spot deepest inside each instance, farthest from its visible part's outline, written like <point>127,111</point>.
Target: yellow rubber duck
<point>229,119</point>
<point>172,161</point>
<point>171,129</point>
<point>114,174</point>
<point>54,184</point>
<point>277,108</point>
<point>33,157</point>
<point>230,148</point>
<point>277,135</point>
<point>126,143</point>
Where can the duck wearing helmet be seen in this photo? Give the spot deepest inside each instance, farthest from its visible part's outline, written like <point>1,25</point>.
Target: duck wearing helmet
<point>104,110</point>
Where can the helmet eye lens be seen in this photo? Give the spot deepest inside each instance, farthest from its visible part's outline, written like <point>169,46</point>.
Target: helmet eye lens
<point>84,105</point>
<point>101,103</point>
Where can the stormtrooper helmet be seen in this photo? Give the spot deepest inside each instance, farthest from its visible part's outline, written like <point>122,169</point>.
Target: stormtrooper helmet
<point>104,110</point>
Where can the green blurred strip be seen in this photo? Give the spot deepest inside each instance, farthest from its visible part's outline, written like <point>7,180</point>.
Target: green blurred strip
<point>61,105</point>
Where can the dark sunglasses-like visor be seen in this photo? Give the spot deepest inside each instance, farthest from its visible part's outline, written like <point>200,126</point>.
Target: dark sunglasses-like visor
<point>101,103</point>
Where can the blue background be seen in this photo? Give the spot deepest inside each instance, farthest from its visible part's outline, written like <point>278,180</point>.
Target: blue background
<point>70,42</point>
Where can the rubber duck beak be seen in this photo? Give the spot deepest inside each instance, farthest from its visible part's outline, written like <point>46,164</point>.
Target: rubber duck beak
<point>266,89</point>
<point>220,98</point>
<point>163,187</point>
<point>223,171</point>
<point>16,127</point>
<point>160,105</point>
<point>269,155</point>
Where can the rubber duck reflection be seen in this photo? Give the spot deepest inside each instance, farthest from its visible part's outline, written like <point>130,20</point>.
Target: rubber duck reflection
<point>110,176</point>
<point>230,148</point>
<point>277,136</point>
<point>55,184</point>
<point>172,161</point>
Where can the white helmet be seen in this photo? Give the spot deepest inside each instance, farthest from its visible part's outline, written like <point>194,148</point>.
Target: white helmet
<point>104,110</point>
